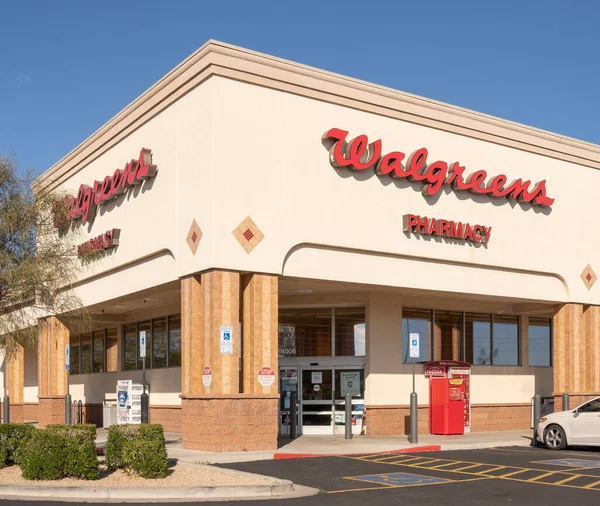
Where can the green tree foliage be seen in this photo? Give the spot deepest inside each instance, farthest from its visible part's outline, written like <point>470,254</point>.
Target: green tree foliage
<point>37,264</point>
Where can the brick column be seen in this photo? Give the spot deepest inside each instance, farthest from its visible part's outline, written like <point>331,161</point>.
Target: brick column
<point>576,353</point>
<point>260,334</point>
<point>15,378</point>
<point>215,415</point>
<point>52,376</point>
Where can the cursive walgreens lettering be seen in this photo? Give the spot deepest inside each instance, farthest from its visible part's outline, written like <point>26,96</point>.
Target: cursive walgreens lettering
<point>359,154</point>
<point>89,197</point>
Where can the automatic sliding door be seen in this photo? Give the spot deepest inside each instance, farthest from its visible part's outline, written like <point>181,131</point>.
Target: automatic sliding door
<point>317,401</point>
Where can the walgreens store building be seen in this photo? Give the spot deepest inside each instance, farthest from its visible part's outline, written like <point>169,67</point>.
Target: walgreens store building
<point>274,228</point>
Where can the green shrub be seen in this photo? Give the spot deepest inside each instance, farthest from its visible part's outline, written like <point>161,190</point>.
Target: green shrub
<point>115,443</point>
<point>137,448</point>
<point>44,456</point>
<point>148,458</point>
<point>80,446</point>
<point>61,451</point>
<point>13,439</point>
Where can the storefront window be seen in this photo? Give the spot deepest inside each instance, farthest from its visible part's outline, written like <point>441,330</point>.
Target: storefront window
<point>506,340</point>
<point>478,342</point>
<point>350,332</point>
<point>416,321</point>
<point>74,367</point>
<point>163,343</point>
<point>305,333</point>
<point>99,350</point>
<point>130,354</point>
<point>112,350</point>
<point>86,353</point>
<point>175,341</point>
<point>540,341</point>
<point>160,344</point>
<point>447,335</point>
<point>352,381</point>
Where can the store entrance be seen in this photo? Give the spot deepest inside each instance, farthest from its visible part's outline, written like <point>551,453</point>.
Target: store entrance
<point>321,399</point>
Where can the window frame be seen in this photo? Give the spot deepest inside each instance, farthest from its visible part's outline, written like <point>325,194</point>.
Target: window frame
<point>332,324</point>
<point>464,336</point>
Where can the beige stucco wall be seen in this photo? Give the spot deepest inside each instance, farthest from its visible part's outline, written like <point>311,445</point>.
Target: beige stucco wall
<point>165,386</point>
<point>228,150</point>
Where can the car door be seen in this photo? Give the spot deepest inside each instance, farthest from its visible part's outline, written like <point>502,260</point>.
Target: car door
<point>586,426</point>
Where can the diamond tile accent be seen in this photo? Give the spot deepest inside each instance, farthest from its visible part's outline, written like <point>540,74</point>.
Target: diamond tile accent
<point>248,234</point>
<point>588,276</point>
<point>194,236</point>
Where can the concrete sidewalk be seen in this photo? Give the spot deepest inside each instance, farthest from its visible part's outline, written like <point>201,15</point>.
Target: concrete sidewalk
<point>336,445</point>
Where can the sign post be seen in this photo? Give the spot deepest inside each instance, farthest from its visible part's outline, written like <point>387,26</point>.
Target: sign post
<point>68,407</point>
<point>144,396</point>
<point>414,413</point>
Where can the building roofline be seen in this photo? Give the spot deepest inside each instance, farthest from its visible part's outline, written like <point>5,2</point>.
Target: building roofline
<point>218,58</point>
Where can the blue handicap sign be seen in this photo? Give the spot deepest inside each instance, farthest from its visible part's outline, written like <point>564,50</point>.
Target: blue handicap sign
<point>68,367</point>
<point>226,336</point>
<point>400,479</point>
<point>414,342</point>
<point>123,399</point>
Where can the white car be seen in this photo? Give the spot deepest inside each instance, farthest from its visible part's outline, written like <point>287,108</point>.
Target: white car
<point>576,427</point>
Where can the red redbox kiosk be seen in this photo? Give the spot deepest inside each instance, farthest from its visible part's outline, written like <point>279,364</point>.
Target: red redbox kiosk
<point>449,404</point>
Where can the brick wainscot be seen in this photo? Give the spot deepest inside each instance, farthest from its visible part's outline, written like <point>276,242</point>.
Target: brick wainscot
<point>230,422</point>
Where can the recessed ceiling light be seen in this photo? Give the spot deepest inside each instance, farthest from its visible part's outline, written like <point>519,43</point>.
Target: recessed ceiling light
<point>121,306</point>
<point>304,290</point>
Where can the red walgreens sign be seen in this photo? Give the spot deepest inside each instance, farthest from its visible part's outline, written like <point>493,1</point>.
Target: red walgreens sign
<point>444,228</point>
<point>359,154</point>
<point>84,205</point>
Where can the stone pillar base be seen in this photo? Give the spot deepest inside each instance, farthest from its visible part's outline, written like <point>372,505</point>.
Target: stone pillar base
<point>229,422</point>
<point>51,411</point>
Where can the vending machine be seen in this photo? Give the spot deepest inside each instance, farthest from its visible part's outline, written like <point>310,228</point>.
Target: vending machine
<point>447,406</point>
<point>449,396</point>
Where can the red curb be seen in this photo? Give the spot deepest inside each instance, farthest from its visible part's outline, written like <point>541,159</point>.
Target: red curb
<point>418,449</point>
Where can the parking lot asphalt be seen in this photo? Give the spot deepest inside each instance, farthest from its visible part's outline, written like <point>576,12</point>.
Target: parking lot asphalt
<point>519,475</point>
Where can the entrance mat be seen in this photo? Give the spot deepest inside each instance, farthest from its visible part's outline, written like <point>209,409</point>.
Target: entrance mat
<point>398,479</point>
<point>571,462</point>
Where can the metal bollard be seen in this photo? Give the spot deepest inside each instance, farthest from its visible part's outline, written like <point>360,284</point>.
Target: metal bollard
<point>68,410</point>
<point>145,408</point>
<point>537,413</point>
<point>293,415</point>
<point>414,419</point>
<point>565,402</point>
<point>348,416</point>
<point>6,403</point>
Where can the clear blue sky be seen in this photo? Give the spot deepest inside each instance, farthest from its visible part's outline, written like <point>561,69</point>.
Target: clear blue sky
<point>66,67</point>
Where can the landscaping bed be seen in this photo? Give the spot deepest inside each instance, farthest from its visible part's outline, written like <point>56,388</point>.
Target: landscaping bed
<point>135,457</point>
<point>178,475</point>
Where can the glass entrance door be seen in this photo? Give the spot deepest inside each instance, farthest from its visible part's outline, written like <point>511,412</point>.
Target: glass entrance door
<point>288,389</point>
<point>317,401</point>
